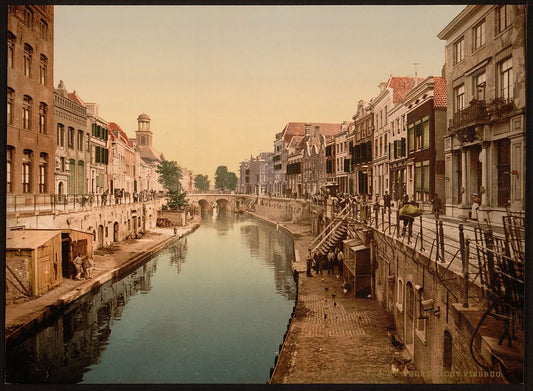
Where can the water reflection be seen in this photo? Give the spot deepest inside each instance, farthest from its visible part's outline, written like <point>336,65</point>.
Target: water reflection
<point>204,310</point>
<point>61,352</point>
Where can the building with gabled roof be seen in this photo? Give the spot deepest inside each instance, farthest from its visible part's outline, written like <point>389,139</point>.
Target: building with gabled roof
<point>121,174</point>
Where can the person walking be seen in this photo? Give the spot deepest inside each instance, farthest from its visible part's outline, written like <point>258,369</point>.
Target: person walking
<point>436,205</point>
<point>309,259</point>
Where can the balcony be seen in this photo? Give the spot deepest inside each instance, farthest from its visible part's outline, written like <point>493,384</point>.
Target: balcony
<point>473,115</point>
<point>479,112</point>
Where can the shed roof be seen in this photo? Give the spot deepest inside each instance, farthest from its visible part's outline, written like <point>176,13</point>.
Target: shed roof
<point>28,239</point>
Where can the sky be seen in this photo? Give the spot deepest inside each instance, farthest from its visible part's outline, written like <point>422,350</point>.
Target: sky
<point>218,82</point>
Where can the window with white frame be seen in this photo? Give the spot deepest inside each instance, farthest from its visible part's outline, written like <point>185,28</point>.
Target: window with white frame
<point>459,98</point>
<point>10,96</point>
<point>425,132</point>
<point>43,164</point>
<point>459,51</point>
<point>505,79</point>
<point>26,171</point>
<point>28,53</point>
<point>478,40</point>
<point>479,84</point>
<point>43,66</point>
<point>9,169</point>
<point>503,18</point>
<point>10,49</point>
<point>43,112</point>
<point>26,112</point>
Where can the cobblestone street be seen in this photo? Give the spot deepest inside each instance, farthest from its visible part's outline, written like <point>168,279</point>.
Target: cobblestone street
<point>334,337</point>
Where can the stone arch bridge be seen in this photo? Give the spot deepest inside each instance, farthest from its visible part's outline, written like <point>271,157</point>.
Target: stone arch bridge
<point>231,202</point>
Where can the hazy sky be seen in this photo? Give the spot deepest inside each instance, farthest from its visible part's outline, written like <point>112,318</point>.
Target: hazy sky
<point>220,81</point>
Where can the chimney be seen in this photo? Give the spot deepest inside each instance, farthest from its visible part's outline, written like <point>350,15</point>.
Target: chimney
<point>416,64</point>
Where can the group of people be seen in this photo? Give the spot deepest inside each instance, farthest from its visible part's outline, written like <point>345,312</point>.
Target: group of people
<point>81,267</point>
<point>319,262</point>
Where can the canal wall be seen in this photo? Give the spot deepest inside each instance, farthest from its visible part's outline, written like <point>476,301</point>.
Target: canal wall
<point>22,318</point>
<point>443,337</point>
<point>108,224</point>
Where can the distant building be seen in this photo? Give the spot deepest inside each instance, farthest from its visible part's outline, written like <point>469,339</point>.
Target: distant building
<point>362,149</point>
<point>426,127</point>
<point>122,178</point>
<point>143,144</point>
<point>73,153</point>
<point>98,174</point>
<point>485,143</point>
<point>30,99</point>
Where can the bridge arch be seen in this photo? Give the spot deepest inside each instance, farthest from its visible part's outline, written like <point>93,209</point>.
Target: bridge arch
<point>223,204</point>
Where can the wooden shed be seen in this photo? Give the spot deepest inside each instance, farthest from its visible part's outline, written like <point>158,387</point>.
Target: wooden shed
<point>33,262</point>
<point>38,260</point>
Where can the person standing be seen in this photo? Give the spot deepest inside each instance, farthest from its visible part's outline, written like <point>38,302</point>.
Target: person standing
<point>340,262</point>
<point>476,201</point>
<point>331,258</point>
<point>309,259</point>
<point>436,205</point>
<point>386,200</point>
<point>318,262</point>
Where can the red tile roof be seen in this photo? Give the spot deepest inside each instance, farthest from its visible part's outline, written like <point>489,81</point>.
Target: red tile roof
<point>401,86</point>
<point>439,93</point>
<point>119,133</point>
<point>298,129</point>
<point>76,98</point>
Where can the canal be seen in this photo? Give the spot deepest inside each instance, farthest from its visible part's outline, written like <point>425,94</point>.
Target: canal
<point>210,308</point>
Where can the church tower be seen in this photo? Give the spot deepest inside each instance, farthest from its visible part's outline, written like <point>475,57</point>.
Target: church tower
<point>143,134</point>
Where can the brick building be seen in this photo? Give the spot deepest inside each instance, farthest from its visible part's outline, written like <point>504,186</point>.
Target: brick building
<point>30,99</point>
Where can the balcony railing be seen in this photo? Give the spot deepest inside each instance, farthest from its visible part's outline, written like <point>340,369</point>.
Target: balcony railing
<point>479,112</point>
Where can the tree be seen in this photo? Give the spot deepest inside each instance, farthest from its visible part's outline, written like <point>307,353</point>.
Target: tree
<point>201,182</point>
<point>225,180</point>
<point>169,175</point>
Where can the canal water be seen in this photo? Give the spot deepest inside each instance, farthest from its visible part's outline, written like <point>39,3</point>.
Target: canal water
<point>211,308</point>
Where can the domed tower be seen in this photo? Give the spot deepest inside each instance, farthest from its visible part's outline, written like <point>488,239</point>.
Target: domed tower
<point>143,133</point>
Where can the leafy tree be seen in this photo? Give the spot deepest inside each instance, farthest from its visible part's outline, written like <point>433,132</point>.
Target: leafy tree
<point>169,175</point>
<point>232,181</point>
<point>225,180</point>
<point>201,182</point>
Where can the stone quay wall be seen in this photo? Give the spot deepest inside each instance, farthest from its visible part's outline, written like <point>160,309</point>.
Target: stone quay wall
<point>110,223</point>
<point>424,297</point>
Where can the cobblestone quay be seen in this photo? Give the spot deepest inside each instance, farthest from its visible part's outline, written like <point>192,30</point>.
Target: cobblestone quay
<point>334,337</point>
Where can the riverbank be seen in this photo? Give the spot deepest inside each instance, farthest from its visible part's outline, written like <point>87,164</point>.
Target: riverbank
<point>335,338</point>
<point>110,263</point>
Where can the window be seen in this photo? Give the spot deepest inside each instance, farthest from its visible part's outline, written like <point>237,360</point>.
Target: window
<point>60,137</point>
<point>479,35</point>
<point>70,137</point>
<point>503,18</point>
<point>28,18</point>
<point>385,144</point>
<point>26,112</point>
<point>71,178</point>
<point>458,51</point>
<point>43,110</point>
<point>43,66</point>
<point>411,138</point>
<point>81,176</point>
<point>418,135</point>
<point>459,98</point>
<point>9,169</point>
<point>43,163</point>
<point>425,136</point>
<point>80,140</point>
<point>26,171</point>
<point>28,53</point>
<point>480,81</point>
<point>62,164</point>
<point>418,178</point>
<point>425,177</point>
<point>505,79</point>
<point>10,49</point>
<point>44,30</point>
<point>10,93</point>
